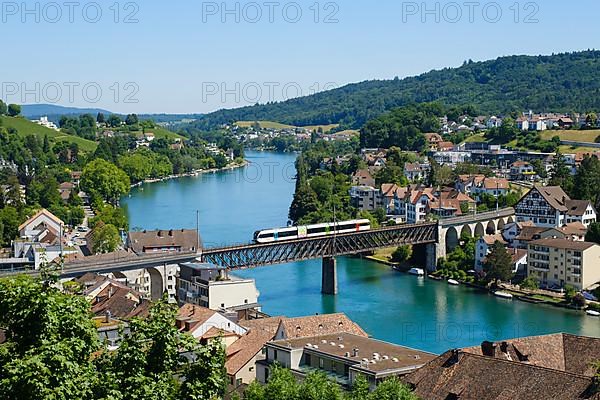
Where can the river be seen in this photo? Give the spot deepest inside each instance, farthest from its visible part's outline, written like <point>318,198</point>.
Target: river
<point>391,306</point>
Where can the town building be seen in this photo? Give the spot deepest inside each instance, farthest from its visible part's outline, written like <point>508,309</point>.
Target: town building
<point>363,177</point>
<point>491,186</point>
<point>522,171</point>
<point>207,325</point>
<point>551,207</point>
<point>343,356</point>
<point>213,287</point>
<point>366,198</point>
<point>556,263</point>
<point>483,247</point>
<point>558,367</point>
<point>417,172</point>
<point>163,241</point>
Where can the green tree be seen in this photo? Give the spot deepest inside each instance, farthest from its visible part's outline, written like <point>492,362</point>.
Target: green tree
<point>106,180</point>
<point>392,389</point>
<point>50,338</point>
<point>132,119</point>
<point>402,254</point>
<point>114,121</point>
<point>530,283</point>
<point>10,220</point>
<point>305,201</point>
<point>14,110</point>
<point>593,233</point>
<point>105,239</point>
<point>100,118</point>
<point>3,108</point>
<point>587,181</point>
<point>498,266</point>
<point>560,174</point>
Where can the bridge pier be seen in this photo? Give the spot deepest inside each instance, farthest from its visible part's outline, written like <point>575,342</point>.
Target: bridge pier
<point>329,283</point>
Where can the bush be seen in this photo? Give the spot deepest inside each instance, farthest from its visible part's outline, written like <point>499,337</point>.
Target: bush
<point>530,283</point>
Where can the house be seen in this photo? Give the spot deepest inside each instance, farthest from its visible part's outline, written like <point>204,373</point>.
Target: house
<point>445,146</point>
<point>551,207</point>
<point>417,204</point>
<point>451,203</point>
<point>416,171</point>
<point>342,356</point>
<point>491,186</point>
<point>566,123</point>
<point>41,227</point>
<point>581,211</point>
<point>163,241</point>
<point>249,349</point>
<point>433,140</point>
<point>522,171</point>
<point>388,193</point>
<point>483,247</point>
<point>512,230</point>
<point>366,198</point>
<point>494,122</point>
<point>556,263</point>
<point>466,183</point>
<point>527,234</point>
<point>557,367</point>
<point>207,325</point>
<point>575,231</point>
<point>363,178</point>
<point>523,123</point>
<point>213,287</point>
<point>315,325</point>
<point>65,190</point>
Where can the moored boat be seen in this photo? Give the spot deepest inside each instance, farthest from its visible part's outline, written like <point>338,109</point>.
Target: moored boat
<point>416,271</point>
<point>503,295</point>
<point>453,282</point>
<point>593,313</point>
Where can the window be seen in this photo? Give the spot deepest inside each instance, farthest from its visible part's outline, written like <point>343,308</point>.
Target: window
<point>320,363</point>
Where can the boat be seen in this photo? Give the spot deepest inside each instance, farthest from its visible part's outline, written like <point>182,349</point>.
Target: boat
<point>453,282</point>
<point>593,313</point>
<point>416,271</point>
<point>503,295</point>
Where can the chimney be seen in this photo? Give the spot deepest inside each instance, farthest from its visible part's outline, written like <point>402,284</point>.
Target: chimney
<point>108,315</point>
<point>171,233</point>
<point>488,349</point>
<point>160,234</point>
<point>355,352</point>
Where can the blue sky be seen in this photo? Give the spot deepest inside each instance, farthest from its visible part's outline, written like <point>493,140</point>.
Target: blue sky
<point>193,56</point>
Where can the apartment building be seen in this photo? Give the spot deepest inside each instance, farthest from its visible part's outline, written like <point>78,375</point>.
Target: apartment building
<point>556,262</point>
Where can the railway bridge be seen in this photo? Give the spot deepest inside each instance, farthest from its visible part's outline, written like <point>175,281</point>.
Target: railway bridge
<point>438,237</point>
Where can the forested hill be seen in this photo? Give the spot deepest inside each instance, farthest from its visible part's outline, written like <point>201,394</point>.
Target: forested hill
<point>562,82</point>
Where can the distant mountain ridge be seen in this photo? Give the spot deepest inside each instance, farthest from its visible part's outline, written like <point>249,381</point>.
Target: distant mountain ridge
<point>559,82</point>
<point>40,110</point>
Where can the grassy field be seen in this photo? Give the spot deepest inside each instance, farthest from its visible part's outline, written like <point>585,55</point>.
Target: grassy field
<point>26,127</point>
<point>325,128</point>
<point>164,133</point>
<point>573,135</point>
<point>350,131</point>
<point>477,138</point>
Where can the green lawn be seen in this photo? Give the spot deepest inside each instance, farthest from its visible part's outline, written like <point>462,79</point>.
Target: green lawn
<point>477,138</point>
<point>325,128</point>
<point>573,135</point>
<point>26,128</point>
<point>164,133</point>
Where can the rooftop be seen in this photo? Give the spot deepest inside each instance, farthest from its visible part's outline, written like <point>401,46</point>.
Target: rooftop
<point>563,244</point>
<point>371,355</point>
<point>320,325</point>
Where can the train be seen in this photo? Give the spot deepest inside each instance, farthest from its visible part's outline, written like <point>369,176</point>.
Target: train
<point>311,231</point>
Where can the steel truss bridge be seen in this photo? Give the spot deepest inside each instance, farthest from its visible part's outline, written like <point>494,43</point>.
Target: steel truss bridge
<point>256,255</point>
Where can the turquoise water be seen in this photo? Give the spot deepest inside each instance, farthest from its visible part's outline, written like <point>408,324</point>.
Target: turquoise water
<point>391,306</point>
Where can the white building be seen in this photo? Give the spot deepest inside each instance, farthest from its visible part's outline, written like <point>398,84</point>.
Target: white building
<point>212,287</point>
<point>551,207</point>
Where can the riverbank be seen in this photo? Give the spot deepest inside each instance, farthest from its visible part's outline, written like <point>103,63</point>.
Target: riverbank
<point>532,297</point>
<point>194,173</point>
